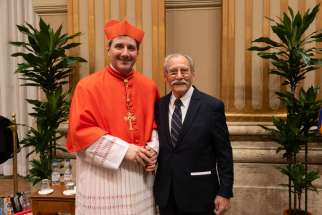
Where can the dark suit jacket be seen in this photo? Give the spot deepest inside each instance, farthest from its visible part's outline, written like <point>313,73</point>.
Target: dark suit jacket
<point>190,167</point>
<point>6,140</point>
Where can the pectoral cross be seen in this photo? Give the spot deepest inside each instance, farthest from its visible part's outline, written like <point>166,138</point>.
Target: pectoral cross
<point>130,118</point>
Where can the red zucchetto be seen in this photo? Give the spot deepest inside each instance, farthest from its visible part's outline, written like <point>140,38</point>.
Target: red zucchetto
<point>115,28</point>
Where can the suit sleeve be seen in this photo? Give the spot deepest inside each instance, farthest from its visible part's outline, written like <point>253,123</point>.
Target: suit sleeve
<point>223,152</point>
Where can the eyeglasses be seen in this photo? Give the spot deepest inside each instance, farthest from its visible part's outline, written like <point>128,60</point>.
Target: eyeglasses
<point>174,73</point>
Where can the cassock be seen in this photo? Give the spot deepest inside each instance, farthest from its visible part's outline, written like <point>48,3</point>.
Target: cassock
<point>108,112</point>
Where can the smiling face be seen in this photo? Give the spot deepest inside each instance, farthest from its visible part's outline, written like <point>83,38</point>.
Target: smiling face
<point>123,52</point>
<point>179,75</point>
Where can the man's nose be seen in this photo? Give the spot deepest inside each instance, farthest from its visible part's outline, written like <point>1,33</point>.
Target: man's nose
<point>179,74</point>
<point>125,52</point>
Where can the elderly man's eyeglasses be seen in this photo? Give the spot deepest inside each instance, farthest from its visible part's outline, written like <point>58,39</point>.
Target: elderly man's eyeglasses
<point>175,73</point>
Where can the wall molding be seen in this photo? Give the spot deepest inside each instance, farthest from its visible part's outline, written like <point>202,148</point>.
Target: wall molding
<point>192,4</point>
<point>251,144</point>
<point>49,7</point>
<point>265,152</point>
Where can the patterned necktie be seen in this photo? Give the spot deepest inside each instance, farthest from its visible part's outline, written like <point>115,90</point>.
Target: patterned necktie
<point>176,122</point>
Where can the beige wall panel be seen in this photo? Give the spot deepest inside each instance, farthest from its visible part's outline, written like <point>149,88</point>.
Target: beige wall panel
<point>115,7</point>
<point>122,8</point>
<point>53,12</point>
<point>160,48</point>
<point>91,35</point>
<point>83,27</point>
<point>293,4</point>
<point>248,55</point>
<point>274,81</point>
<point>239,87</point>
<point>138,22</point>
<point>257,65</point>
<point>302,5</point>
<point>130,11</point>
<point>99,34</point>
<point>266,32</point>
<point>228,55</point>
<point>310,77</point>
<point>107,16</point>
<point>147,42</point>
<point>318,24</point>
<point>196,32</point>
<point>56,20</point>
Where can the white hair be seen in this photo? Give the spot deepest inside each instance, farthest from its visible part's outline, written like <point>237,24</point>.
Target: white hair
<point>170,56</point>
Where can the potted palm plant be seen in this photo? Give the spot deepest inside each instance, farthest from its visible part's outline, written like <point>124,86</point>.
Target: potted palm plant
<point>47,66</point>
<point>292,56</point>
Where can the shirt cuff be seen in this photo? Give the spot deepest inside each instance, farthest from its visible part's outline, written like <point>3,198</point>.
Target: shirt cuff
<point>154,143</point>
<point>117,152</point>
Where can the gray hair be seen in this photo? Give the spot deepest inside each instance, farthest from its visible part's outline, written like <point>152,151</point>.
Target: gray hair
<point>170,56</point>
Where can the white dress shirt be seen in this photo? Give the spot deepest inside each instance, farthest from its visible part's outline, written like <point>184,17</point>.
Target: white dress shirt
<point>185,99</point>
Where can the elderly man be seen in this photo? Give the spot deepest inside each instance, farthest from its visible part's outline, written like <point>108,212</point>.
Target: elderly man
<point>111,128</point>
<point>195,165</point>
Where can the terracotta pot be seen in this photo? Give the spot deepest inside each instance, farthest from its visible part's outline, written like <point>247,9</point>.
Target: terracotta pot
<point>285,212</point>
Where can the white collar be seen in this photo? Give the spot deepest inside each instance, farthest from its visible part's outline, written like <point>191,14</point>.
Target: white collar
<point>185,99</point>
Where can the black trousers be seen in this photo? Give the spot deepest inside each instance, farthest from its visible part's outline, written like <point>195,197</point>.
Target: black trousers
<point>172,209</point>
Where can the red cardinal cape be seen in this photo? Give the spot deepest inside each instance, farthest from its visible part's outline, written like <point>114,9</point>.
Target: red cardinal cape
<point>107,102</point>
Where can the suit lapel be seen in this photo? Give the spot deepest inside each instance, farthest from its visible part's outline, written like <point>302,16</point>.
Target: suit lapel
<point>191,114</point>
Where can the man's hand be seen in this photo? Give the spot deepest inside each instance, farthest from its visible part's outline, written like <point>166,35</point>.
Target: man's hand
<point>138,154</point>
<point>151,166</point>
<point>221,205</point>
